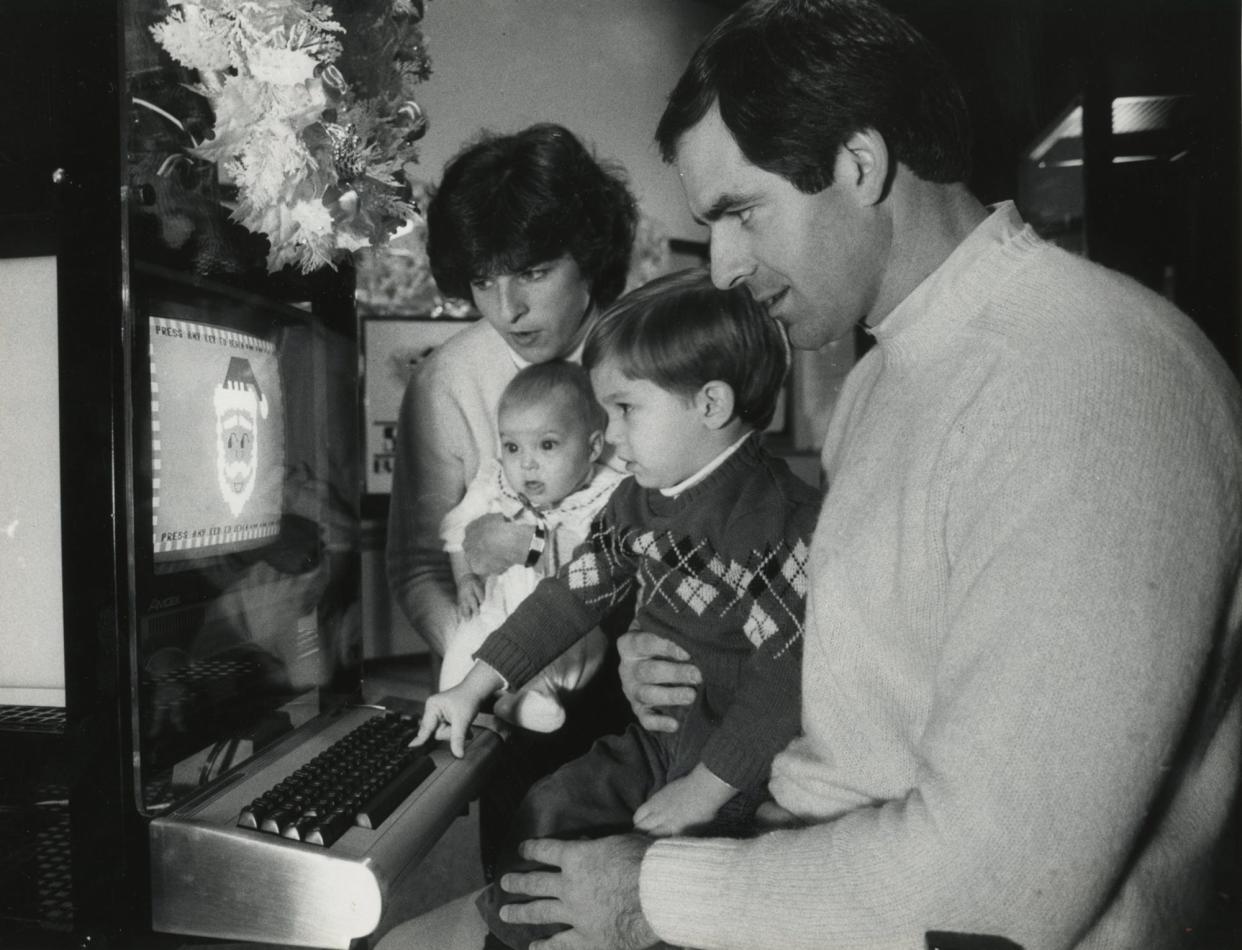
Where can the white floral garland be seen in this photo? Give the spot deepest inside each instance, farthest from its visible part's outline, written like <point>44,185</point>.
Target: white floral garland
<point>306,178</point>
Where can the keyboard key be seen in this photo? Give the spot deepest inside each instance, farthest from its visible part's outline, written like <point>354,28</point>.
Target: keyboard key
<point>385,801</point>
<point>327,831</point>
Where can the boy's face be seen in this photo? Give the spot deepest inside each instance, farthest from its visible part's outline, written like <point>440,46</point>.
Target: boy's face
<point>546,449</point>
<point>659,435</point>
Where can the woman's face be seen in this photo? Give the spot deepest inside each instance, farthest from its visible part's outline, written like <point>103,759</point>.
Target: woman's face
<point>540,311</point>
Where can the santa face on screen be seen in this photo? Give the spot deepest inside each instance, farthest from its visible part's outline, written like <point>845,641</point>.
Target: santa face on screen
<point>239,406</point>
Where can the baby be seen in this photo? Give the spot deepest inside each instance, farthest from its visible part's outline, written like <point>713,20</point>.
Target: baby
<point>548,475</point>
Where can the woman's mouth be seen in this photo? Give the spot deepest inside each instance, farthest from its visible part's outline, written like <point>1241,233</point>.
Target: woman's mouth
<point>524,338</point>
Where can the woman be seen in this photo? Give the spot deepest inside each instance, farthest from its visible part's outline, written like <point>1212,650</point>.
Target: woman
<point>538,234</point>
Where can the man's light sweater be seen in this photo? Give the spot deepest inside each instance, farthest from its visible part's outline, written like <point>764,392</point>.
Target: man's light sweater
<point>1025,602</point>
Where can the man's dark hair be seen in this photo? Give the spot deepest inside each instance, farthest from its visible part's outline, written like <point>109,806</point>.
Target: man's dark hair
<point>680,331</point>
<point>794,79</point>
<point>508,202</point>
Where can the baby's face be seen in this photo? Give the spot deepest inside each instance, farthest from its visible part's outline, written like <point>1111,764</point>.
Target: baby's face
<point>546,450</point>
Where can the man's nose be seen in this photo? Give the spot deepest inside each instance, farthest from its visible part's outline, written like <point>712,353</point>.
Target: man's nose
<point>731,263</point>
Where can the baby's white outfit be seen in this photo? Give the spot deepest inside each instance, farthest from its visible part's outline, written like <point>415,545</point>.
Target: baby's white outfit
<point>537,706</point>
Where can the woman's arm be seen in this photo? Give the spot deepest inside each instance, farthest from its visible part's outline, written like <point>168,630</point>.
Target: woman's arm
<point>492,544</point>
<point>429,478</point>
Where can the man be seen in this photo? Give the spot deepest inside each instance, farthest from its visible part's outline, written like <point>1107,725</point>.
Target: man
<point>1021,710</point>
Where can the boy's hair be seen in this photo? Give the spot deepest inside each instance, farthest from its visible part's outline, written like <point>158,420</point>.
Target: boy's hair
<point>680,332</point>
<point>794,79</point>
<point>539,382</point>
<point>508,202</point>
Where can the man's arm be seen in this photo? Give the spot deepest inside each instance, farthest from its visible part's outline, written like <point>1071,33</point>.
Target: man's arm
<point>1068,736</point>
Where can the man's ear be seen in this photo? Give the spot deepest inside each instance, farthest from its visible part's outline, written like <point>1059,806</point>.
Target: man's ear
<point>714,401</point>
<point>596,441</point>
<point>863,167</point>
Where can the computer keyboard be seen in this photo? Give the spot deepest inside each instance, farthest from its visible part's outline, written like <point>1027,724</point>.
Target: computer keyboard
<point>359,780</point>
<point>225,862</point>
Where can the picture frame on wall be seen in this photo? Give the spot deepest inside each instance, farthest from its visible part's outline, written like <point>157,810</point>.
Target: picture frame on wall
<point>391,348</point>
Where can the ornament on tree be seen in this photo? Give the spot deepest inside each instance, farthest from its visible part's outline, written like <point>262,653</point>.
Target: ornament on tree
<point>348,153</point>
<point>411,113</point>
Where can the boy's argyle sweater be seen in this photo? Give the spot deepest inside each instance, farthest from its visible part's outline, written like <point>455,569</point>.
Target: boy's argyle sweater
<point>721,571</point>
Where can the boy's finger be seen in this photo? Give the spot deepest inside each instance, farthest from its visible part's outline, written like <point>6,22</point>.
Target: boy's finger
<point>426,726</point>
<point>457,738</point>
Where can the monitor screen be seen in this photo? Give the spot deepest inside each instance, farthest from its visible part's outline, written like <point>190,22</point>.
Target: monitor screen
<point>217,440</point>
<point>245,492</point>
<point>32,621</point>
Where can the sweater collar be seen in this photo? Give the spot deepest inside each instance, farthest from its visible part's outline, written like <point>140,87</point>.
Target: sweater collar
<point>706,470</point>
<point>737,457</point>
<point>958,289</point>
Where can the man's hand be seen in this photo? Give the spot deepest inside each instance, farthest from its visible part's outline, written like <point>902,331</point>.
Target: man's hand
<point>595,892</point>
<point>492,544</point>
<point>656,673</point>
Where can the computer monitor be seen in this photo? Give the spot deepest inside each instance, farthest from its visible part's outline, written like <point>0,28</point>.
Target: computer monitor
<point>32,629</point>
<point>244,525</point>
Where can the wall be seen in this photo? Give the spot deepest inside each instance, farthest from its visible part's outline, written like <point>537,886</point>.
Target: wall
<point>602,68</point>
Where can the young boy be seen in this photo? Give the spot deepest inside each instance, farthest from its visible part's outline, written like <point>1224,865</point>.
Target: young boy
<point>714,532</point>
<point>547,475</point>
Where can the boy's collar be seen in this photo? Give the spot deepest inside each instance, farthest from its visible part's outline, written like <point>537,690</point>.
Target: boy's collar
<point>707,469</point>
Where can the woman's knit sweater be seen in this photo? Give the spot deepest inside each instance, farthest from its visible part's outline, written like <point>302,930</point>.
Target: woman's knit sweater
<point>1021,708</point>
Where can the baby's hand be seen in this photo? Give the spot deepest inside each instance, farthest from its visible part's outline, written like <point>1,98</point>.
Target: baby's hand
<point>469,595</point>
<point>448,714</point>
<point>684,803</point>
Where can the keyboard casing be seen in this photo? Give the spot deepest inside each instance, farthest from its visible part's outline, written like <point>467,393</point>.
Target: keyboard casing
<point>211,878</point>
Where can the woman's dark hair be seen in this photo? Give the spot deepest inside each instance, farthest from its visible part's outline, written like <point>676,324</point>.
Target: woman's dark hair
<point>507,202</point>
<point>794,79</point>
<point>680,332</point>
<point>541,381</point>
